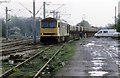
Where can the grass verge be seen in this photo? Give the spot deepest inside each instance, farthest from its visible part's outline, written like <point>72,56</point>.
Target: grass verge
<point>60,60</point>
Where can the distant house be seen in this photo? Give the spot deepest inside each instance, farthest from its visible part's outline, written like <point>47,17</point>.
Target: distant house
<point>14,30</point>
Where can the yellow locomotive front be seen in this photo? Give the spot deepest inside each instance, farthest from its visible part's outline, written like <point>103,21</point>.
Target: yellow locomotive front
<point>48,30</point>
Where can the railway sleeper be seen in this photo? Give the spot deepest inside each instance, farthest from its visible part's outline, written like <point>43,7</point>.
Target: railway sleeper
<point>15,59</point>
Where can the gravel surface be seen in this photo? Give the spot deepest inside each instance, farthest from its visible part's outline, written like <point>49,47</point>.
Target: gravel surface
<point>94,57</point>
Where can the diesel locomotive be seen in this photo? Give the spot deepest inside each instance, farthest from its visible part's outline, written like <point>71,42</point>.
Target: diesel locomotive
<point>56,30</point>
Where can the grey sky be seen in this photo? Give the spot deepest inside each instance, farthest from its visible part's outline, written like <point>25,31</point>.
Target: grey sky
<point>96,12</point>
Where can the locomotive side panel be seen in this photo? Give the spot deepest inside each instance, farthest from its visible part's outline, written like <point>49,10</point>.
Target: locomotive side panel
<point>63,29</point>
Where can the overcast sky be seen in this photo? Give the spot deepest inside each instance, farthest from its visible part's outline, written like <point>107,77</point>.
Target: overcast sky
<point>96,12</point>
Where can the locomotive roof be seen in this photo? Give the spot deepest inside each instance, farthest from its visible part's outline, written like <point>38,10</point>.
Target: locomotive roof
<point>49,19</point>
<point>53,19</point>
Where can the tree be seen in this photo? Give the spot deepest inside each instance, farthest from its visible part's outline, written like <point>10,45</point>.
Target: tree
<point>0,27</point>
<point>3,29</point>
<point>84,23</point>
<point>18,22</point>
<point>118,24</point>
<point>110,26</point>
<point>25,25</point>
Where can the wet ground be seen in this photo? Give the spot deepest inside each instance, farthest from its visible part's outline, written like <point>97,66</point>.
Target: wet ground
<point>94,57</point>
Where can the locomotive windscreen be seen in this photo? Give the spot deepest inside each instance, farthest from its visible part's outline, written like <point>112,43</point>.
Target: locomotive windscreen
<point>49,23</point>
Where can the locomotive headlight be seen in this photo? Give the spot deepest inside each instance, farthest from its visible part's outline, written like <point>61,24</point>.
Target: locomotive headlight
<point>41,33</point>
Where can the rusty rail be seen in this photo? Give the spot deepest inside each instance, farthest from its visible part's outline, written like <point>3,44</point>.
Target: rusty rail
<point>37,74</point>
<point>10,71</point>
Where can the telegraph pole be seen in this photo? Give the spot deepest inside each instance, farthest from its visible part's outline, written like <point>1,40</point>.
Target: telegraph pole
<point>55,14</point>
<point>6,23</point>
<point>34,23</point>
<point>44,12</point>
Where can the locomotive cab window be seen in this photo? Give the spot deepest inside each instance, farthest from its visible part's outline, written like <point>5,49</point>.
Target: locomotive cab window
<point>48,23</point>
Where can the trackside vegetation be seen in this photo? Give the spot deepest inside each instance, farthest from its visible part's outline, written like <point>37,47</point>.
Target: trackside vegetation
<point>60,60</point>
<point>29,69</point>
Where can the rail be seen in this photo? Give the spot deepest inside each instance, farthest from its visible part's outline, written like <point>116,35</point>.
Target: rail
<point>10,71</point>
<point>19,49</point>
<point>37,74</point>
<point>17,43</point>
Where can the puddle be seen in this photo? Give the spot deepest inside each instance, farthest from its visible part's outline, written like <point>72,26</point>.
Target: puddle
<point>99,45</point>
<point>96,68</point>
<point>97,73</point>
<point>117,62</point>
<point>89,44</point>
<point>99,58</point>
<point>95,53</point>
<point>92,41</point>
<point>98,63</point>
<point>114,47</point>
<point>93,44</point>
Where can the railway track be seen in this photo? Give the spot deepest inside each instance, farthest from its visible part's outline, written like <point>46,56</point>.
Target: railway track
<point>10,71</point>
<point>34,65</point>
<point>7,41</point>
<point>19,56</point>
<point>18,42</point>
<point>19,49</point>
<point>15,40</point>
<point>18,46</point>
<point>47,65</point>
